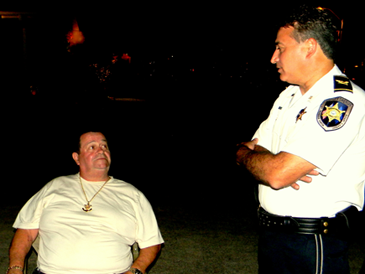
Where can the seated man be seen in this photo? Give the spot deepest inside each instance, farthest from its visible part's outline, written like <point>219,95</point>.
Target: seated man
<point>87,222</point>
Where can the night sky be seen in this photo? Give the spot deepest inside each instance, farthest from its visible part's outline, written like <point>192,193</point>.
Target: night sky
<point>178,146</point>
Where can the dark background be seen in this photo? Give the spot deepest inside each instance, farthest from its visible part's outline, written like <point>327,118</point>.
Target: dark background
<point>201,73</point>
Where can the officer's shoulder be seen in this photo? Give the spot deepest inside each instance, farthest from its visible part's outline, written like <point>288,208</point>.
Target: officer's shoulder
<point>344,87</point>
<point>341,83</point>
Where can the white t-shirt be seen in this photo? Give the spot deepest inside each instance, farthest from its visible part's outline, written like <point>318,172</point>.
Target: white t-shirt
<point>75,241</point>
<point>301,125</point>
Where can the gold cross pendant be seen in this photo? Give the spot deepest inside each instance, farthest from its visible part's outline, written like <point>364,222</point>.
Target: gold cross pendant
<point>87,207</point>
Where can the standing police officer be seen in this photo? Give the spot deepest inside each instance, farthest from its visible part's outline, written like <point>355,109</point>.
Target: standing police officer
<point>309,155</point>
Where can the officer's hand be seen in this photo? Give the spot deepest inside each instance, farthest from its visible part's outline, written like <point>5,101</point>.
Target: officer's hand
<point>251,144</point>
<point>244,148</point>
<point>305,179</point>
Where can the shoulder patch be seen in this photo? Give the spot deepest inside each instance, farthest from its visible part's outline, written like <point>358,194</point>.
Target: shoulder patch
<point>333,113</point>
<point>342,83</point>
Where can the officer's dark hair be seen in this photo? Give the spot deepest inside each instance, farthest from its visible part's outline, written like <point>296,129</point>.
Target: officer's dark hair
<point>314,22</point>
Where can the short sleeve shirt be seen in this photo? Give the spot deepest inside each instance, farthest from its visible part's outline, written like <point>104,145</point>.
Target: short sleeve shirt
<point>326,127</point>
<point>72,240</point>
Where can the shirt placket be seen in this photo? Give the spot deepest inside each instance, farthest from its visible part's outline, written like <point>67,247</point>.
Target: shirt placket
<point>285,121</point>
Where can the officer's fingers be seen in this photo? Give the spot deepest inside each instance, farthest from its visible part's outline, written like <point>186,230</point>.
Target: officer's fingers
<point>313,172</point>
<point>306,179</point>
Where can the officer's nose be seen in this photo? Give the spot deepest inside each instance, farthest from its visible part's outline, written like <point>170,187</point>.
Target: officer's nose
<point>275,57</point>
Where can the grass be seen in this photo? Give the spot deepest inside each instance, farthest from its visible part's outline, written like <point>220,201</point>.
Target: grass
<point>205,243</point>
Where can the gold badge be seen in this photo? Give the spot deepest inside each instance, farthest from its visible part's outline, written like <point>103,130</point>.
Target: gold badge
<point>333,113</point>
<point>301,113</point>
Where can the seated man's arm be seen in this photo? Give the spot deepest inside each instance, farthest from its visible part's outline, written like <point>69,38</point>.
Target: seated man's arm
<point>146,257</point>
<point>275,170</point>
<point>20,246</point>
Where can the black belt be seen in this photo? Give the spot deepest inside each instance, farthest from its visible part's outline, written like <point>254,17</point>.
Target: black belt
<point>327,226</point>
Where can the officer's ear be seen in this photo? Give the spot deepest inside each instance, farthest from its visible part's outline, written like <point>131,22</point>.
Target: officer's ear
<point>311,46</point>
<point>75,156</point>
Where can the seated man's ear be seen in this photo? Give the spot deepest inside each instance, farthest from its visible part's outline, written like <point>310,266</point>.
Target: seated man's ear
<point>75,156</point>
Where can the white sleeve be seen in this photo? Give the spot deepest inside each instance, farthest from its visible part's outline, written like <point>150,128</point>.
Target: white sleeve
<point>29,216</point>
<point>148,233</point>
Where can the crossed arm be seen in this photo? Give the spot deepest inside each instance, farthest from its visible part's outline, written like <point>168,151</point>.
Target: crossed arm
<point>275,170</point>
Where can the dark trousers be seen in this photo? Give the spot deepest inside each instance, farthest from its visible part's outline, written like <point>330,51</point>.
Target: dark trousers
<point>285,253</point>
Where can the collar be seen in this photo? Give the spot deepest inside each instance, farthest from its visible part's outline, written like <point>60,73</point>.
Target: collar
<point>325,84</point>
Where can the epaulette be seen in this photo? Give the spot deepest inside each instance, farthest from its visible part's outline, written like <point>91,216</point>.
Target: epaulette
<point>342,83</point>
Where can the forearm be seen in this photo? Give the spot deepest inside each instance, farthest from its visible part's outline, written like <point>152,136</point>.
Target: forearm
<point>146,257</point>
<point>275,170</point>
<point>20,247</point>
<point>256,161</point>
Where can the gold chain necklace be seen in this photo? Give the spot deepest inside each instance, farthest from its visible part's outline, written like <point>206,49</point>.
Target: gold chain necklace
<point>88,206</point>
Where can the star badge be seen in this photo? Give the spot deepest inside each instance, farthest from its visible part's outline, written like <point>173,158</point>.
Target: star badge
<point>334,113</point>
<point>301,113</point>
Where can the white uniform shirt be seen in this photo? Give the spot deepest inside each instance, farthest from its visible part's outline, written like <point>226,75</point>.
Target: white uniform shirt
<point>295,125</point>
<point>74,241</point>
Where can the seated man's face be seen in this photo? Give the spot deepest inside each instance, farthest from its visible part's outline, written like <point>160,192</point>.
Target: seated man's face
<point>94,152</point>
